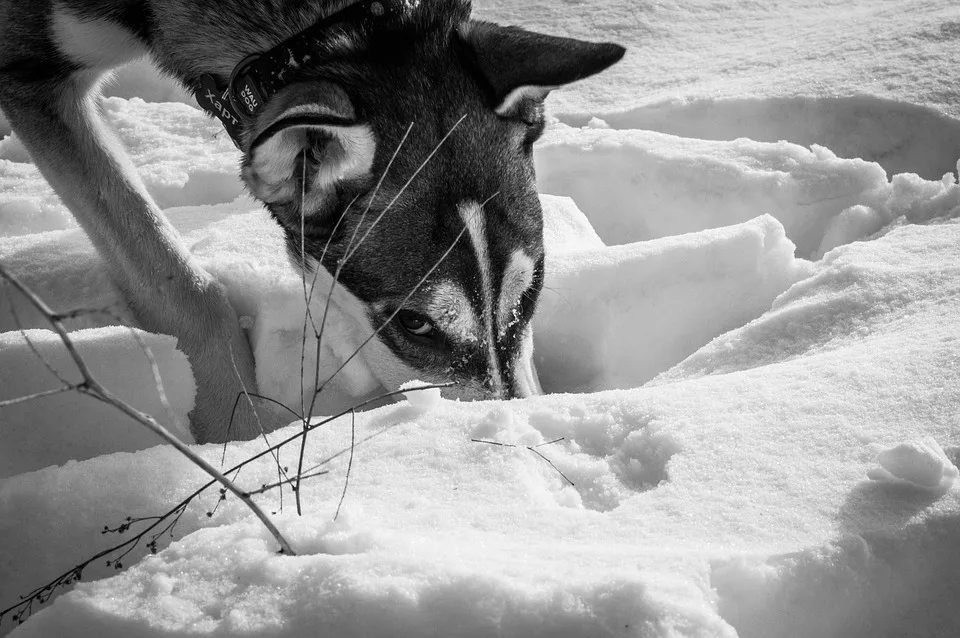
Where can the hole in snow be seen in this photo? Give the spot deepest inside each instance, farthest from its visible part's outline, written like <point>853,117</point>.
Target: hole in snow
<point>608,457</point>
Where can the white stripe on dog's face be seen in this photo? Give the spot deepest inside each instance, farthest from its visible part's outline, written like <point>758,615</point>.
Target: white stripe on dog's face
<point>450,309</point>
<point>516,280</point>
<point>472,215</point>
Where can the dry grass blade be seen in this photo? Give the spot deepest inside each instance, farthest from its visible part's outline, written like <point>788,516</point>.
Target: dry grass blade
<point>336,277</point>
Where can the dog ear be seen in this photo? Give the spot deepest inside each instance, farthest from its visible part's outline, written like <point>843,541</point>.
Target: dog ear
<point>520,64</point>
<point>307,141</point>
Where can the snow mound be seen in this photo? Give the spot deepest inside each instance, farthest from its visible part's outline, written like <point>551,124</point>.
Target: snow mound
<point>420,398</point>
<point>922,464</point>
<point>639,185</point>
<point>900,136</point>
<point>591,334</point>
<point>862,293</point>
<point>873,584</point>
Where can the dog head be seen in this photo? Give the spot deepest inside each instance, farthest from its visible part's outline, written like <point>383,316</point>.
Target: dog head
<point>401,165</point>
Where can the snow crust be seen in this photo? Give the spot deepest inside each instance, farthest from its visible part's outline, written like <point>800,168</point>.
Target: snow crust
<point>748,333</point>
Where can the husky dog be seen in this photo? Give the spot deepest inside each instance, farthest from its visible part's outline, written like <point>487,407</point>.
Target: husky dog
<point>391,139</point>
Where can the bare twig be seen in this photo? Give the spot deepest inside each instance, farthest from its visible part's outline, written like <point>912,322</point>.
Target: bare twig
<point>281,473</point>
<point>287,481</point>
<point>30,344</point>
<point>532,448</point>
<point>43,593</point>
<point>346,478</point>
<point>39,395</point>
<point>318,333</point>
<point>93,388</point>
<point>350,250</point>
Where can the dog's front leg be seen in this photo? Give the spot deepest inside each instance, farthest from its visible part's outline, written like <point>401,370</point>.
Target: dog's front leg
<point>59,123</point>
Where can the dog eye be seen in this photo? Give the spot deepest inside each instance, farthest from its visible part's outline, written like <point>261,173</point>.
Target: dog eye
<point>414,323</point>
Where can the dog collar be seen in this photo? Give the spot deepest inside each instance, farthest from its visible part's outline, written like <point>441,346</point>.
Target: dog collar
<point>258,77</point>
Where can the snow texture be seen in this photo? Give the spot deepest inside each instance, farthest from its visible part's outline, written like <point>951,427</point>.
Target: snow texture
<point>68,427</point>
<point>747,335</point>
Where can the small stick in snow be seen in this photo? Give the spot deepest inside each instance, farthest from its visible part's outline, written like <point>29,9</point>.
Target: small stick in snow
<point>532,448</point>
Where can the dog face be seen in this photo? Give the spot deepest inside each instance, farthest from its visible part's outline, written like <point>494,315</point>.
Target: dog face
<point>402,167</point>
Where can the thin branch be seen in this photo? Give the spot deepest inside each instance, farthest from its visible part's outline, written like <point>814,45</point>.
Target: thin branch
<point>94,388</point>
<point>154,369</point>
<point>31,345</point>
<point>557,440</point>
<point>537,452</point>
<point>318,334</point>
<point>346,478</point>
<point>38,395</point>
<point>287,481</point>
<point>532,448</point>
<point>383,176</point>
<point>43,593</point>
<point>256,415</point>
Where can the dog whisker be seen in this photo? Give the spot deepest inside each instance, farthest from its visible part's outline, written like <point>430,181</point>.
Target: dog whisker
<point>404,187</point>
<point>395,312</point>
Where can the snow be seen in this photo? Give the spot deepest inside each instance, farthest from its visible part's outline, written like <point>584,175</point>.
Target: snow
<point>647,305</point>
<point>922,464</point>
<point>76,427</point>
<point>419,396</point>
<point>748,336</point>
